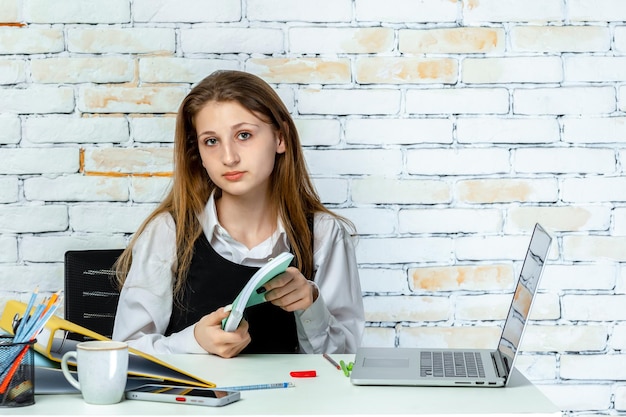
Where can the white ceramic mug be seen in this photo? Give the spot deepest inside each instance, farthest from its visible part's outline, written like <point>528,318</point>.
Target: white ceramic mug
<point>102,370</point>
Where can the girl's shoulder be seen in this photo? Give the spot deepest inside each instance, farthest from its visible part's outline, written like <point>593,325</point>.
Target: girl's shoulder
<point>160,226</point>
<point>327,224</point>
<point>332,233</point>
<point>158,238</point>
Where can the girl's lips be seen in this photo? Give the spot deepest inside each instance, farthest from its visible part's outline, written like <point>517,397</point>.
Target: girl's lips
<point>233,176</point>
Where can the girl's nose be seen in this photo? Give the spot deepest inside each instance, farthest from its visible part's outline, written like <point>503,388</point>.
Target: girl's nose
<point>230,156</point>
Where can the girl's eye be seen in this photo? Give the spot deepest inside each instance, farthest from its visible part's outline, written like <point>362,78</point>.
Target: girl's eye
<point>244,135</point>
<point>210,141</point>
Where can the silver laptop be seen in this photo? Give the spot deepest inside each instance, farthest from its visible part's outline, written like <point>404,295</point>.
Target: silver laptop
<point>460,367</point>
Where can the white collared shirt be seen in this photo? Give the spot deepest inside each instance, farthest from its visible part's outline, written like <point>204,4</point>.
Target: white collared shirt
<point>334,323</point>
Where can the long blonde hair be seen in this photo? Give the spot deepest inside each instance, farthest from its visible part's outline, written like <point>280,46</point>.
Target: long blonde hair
<point>291,187</point>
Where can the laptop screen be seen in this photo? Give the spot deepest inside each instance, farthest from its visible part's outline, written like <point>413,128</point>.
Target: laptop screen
<point>524,293</point>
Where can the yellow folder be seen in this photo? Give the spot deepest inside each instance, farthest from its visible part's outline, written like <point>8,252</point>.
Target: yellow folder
<point>52,342</point>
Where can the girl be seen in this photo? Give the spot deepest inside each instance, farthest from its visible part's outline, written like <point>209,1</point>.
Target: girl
<point>241,195</point>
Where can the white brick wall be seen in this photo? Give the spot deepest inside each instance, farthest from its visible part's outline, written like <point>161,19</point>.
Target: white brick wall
<point>443,129</point>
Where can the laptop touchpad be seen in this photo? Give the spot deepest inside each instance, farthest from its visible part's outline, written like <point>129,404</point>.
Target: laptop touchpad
<point>386,362</point>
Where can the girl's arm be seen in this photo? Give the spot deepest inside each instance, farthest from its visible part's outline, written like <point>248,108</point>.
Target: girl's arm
<point>334,323</point>
<point>145,304</point>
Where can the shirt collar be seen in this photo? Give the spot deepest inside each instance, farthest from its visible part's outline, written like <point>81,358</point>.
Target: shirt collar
<point>208,217</point>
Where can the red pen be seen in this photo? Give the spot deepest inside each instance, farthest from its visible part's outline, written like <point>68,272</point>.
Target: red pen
<point>303,374</point>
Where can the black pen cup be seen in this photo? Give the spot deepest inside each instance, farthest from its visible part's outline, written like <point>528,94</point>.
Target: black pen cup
<point>17,373</point>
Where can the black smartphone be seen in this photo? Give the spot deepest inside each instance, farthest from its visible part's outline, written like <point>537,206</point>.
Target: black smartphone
<point>183,395</point>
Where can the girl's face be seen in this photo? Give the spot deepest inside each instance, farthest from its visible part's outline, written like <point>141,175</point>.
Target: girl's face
<point>236,147</point>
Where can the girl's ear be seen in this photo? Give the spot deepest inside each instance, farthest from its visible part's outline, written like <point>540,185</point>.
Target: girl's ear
<point>280,137</point>
<point>280,143</point>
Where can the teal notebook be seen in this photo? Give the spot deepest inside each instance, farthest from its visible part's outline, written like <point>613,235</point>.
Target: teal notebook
<point>249,296</point>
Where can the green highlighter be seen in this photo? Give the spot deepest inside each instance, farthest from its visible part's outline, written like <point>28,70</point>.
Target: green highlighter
<point>344,368</point>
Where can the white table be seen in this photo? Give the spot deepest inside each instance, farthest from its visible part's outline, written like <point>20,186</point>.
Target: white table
<point>330,393</point>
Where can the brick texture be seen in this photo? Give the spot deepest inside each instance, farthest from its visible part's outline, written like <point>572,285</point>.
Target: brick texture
<point>443,129</point>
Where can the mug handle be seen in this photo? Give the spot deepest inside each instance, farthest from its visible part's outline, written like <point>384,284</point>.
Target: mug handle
<point>66,372</point>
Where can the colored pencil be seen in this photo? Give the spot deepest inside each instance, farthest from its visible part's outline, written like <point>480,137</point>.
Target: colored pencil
<point>257,386</point>
<point>26,332</point>
<point>29,307</point>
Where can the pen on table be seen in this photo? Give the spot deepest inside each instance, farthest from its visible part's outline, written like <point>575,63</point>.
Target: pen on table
<point>332,361</point>
<point>257,386</point>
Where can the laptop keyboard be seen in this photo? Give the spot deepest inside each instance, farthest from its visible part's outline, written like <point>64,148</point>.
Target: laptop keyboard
<point>451,364</point>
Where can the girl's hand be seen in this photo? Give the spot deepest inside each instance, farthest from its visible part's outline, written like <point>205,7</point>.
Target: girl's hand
<point>291,290</point>
<point>209,334</point>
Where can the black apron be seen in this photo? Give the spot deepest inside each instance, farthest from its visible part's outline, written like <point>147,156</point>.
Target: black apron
<point>214,282</point>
